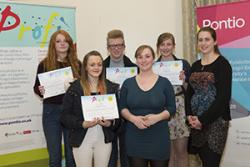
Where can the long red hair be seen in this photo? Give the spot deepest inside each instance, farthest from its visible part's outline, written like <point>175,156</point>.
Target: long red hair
<point>51,63</point>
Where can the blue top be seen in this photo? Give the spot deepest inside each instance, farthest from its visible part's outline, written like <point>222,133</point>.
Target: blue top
<point>153,142</point>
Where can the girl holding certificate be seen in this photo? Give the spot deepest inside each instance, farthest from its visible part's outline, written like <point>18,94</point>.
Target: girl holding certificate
<point>61,54</point>
<point>89,139</point>
<point>208,100</point>
<point>179,131</point>
<point>147,102</point>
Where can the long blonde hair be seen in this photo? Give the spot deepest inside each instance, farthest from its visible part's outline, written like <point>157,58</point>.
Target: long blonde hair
<point>50,62</point>
<point>101,87</point>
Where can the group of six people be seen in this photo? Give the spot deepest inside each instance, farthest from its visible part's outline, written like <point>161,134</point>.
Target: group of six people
<point>159,123</point>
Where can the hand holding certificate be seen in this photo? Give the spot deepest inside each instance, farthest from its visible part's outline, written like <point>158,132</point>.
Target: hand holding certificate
<point>169,69</point>
<point>54,81</point>
<point>120,74</point>
<point>99,106</point>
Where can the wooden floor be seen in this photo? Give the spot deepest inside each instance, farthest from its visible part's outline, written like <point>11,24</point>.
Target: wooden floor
<point>194,161</point>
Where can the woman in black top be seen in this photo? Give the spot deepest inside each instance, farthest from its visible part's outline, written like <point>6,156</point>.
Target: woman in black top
<point>61,54</point>
<point>89,139</point>
<point>208,100</point>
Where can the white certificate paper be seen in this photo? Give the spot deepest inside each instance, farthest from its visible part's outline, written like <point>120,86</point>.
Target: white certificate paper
<point>120,74</point>
<point>99,106</point>
<point>169,69</point>
<point>54,81</point>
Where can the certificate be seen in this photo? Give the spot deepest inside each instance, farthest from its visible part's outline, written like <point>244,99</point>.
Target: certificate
<point>99,106</point>
<point>120,74</point>
<point>54,81</point>
<point>169,69</point>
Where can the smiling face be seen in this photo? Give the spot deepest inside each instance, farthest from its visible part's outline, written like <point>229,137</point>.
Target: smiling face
<point>116,48</point>
<point>166,48</point>
<point>145,59</point>
<point>61,44</point>
<point>94,66</point>
<point>206,43</point>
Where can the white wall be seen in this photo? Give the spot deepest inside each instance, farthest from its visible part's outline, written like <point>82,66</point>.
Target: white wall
<point>141,21</point>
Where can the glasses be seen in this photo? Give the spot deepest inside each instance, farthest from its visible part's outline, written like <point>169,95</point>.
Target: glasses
<point>116,46</point>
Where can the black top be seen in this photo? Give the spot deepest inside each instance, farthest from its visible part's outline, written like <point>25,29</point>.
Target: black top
<point>209,91</point>
<point>72,116</point>
<point>126,60</point>
<point>55,99</point>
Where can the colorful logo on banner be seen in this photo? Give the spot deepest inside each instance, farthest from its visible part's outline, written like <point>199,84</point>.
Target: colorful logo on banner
<point>232,24</point>
<point>230,21</point>
<point>31,27</point>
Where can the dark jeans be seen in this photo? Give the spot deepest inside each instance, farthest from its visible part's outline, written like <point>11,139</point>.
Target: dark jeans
<point>53,132</point>
<point>114,153</point>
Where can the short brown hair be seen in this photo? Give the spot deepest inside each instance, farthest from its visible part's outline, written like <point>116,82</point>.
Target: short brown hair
<point>115,34</point>
<point>141,48</point>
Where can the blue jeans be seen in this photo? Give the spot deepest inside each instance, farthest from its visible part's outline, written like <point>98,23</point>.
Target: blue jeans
<point>123,153</point>
<point>53,131</point>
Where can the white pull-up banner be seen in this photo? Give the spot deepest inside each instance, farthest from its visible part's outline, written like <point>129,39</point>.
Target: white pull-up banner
<point>232,24</point>
<point>24,34</point>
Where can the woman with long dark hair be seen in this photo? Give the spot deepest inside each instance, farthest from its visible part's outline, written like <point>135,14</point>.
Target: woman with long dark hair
<point>208,100</point>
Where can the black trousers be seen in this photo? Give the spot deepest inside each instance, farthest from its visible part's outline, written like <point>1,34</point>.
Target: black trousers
<point>140,162</point>
<point>208,157</point>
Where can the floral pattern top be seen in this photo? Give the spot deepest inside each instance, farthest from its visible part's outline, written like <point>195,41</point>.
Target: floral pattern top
<point>204,91</point>
<point>208,97</point>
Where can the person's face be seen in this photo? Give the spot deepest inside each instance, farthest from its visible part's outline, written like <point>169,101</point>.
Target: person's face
<point>94,66</point>
<point>116,47</point>
<point>145,60</point>
<point>166,48</point>
<point>61,44</point>
<point>205,42</point>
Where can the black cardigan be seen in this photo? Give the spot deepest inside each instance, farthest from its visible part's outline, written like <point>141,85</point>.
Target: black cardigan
<point>126,60</point>
<point>223,82</point>
<point>72,116</point>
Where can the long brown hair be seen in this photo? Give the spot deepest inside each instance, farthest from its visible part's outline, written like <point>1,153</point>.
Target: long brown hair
<point>213,35</point>
<point>51,63</point>
<point>101,87</point>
